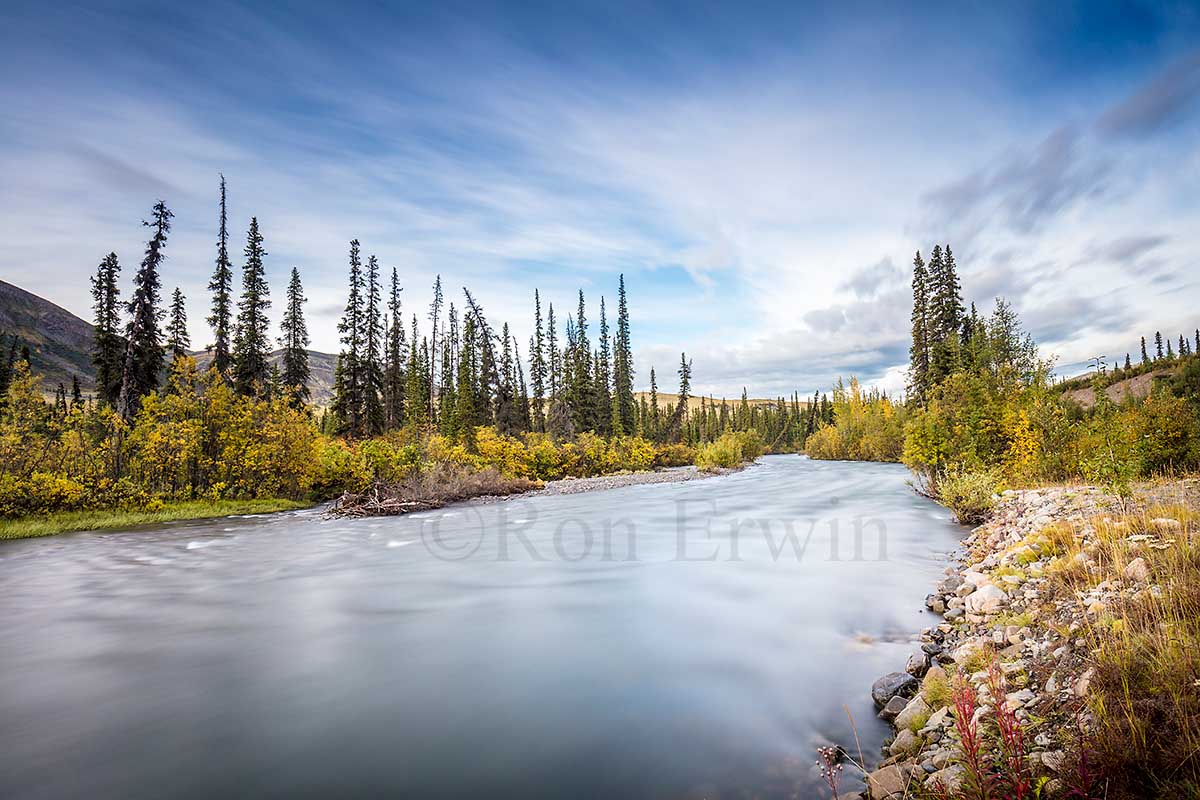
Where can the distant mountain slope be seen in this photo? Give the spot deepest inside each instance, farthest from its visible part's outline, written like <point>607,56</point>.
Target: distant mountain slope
<point>669,401</point>
<point>320,366</point>
<point>59,342</point>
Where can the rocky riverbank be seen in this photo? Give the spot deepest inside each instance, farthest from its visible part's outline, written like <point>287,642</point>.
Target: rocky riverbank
<point>1020,615</point>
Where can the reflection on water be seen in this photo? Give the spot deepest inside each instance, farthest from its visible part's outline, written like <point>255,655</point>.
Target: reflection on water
<point>674,640</point>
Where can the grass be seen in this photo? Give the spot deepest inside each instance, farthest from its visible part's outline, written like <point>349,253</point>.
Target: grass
<point>1145,694</point>
<point>66,521</point>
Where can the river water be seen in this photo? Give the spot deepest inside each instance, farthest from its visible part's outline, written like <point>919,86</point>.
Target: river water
<point>651,641</point>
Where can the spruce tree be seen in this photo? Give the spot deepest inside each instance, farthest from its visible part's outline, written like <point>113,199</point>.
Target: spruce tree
<point>465,386</point>
<point>294,342</point>
<point>416,391</point>
<point>143,338</point>
<point>435,311</point>
<point>1128,363</point>
<point>1145,355</point>
<point>178,340</point>
<point>1182,345</point>
<point>347,400</point>
<point>374,418</point>
<point>554,364</point>
<point>623,360</point>
<point>108,348</point>
<point>537,366</point>
<point>918,352</point>
<point>653,424</point>
<point>251,345</point>
<point>607,412</point>
<point>393,381</point>
<point>76,392</point>
<point>1158,346</point>
<point>221,286</point>
<point>581,389</point>
<point>946,310</point>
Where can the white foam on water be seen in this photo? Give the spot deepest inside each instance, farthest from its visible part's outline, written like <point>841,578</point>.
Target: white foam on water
<point>394,543</point>
<point>203,544</point>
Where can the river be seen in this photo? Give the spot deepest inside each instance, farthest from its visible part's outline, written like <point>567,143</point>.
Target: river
<point>649,641</point>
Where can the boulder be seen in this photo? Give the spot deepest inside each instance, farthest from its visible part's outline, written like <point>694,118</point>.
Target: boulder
<point>887,783</point>
<point>987,599</point>
<point>916,709</point>
<point>893,707</point>
<point>949,778</point>
<point>917,665</point>
<point>1138,570</point>
<point>906,743</point>
<point>891,685</point>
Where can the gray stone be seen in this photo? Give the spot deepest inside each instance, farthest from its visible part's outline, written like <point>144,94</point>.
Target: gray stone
<point>891,685</point>
<point>949,777</point>
<point>892,708</point>
<point>916,666</point>
<point>1138,570</point>
<point>986,599</point>
<point>913,712</point>
<point>906,743</point>
<point>886,783</point>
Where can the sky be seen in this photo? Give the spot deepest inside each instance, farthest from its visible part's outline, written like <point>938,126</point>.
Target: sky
<point>761,173</point>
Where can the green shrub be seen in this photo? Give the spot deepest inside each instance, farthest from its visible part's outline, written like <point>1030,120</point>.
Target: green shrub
<point>732,449</point>
<point>970,494</point>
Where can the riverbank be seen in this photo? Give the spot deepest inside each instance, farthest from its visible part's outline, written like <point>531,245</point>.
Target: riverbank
<point>619,480</point>
<point>71,521</point>
<point>1082,611</point>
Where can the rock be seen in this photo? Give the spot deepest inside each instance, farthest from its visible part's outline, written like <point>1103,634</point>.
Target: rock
<point>1084,683</point>
<point>914,711</point>
<point>934,674</point>
<point>906,743</point>
<point>954,613</point>
<point>891,685</point>
<point>916,665</point>
<point>948,778</point>
<point>886,783</point>
<point>892,708</point>
<point>931,648</point>
<point>939,719</point>
<point>964,589</point>
<point>1019,698</point>
<point>1054,760</point>
<point>986,600</point>
<point>1138,570</point>
<point>1166,522</point>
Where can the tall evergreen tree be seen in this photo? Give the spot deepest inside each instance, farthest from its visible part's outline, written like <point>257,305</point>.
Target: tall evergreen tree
<point>918,351</point>
<point>221,286</point>
<point>178,340</point>
<point>623,360</point>
<point>76,392</point>
<point>554,363</point>
<point>143,337</point>
<point>1145,355</point>
<point>108,348</point>
<point>653,424</point>
<point>348,400</point>
<point>1158,346</point>
<point>607,413</point>
<point>393,380</point>
<point>416,390</point>
<point>294,341</point>
<point>946,310</point>
<point>374,418</point>
<point>252,345</point>
<point>537,366</point>
<point>435,312</point>
<point>579,396</point>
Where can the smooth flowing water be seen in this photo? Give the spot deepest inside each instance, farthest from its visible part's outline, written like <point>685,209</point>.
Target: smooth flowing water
<point>650,641</point>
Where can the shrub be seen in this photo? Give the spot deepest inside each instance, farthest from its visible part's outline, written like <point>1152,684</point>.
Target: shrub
<point>732,449</point>
<point>39,493</point>
<point>674,455</point>
<point>970,494</point>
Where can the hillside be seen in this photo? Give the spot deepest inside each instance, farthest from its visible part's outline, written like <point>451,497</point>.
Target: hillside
<point>666,400</point>
<point>1138,387</point>
<point>59,342</point>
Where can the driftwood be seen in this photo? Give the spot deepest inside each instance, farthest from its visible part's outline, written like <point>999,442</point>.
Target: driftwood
<point>430,488</point>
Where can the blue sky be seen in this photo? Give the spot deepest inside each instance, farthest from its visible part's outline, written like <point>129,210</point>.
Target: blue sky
<point>761,173</point>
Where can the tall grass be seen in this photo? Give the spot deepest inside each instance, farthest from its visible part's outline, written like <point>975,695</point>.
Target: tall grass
<point>156,512</point>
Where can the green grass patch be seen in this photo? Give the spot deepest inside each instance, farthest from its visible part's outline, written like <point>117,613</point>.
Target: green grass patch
<point>65,521</point>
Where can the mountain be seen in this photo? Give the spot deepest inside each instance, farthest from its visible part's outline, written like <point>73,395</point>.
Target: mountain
<point>667,401</point>
<point>60,344</point>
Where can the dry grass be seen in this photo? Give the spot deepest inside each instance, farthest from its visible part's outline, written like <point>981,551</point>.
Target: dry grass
<point>428,488</point>
<point>1145,644</point>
